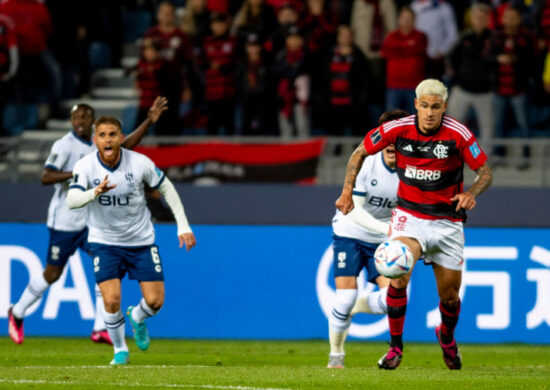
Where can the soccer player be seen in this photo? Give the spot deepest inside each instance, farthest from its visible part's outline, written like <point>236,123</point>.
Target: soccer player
<point>67,227</point>
<point>431,150</point>
<point>355,238</point>
<point>121,235</point>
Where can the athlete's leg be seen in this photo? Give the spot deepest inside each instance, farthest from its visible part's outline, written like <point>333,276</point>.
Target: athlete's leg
<point>99,332</point>
<point>114,320</point>
<point>374,302</point>
<point>340,319</point>
<point>152,301</point>
<point>448,286</point>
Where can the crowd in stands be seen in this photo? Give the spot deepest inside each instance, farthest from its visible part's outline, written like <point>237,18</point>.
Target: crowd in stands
<point>290,67</point>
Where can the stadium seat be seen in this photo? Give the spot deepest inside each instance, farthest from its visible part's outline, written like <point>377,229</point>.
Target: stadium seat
<point>129,118</point>
<point>100,55</point>
<point>134,25</point>
<point>18,117</point>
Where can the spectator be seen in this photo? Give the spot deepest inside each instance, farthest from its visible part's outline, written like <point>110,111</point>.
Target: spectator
<point>287,16</point>
<point>9,59</point>
<point>436,19</point>
<point>291,69</point>
<point>158,77</point>
<point>371,20</point>
<point>253,86</point>
<point>346,81</point>
<point>195,22</point>
<point>174,43</point>
<point>219,61</point>
<point>512,52</point>
<point>405,52</point>
<point>278,4</point>
<point>473,72</point>
<point>254,17</point>
<point>39,76</point>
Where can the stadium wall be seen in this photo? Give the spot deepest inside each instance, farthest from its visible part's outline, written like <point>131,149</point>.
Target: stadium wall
<point>275,282</point>
<point>284,204</point>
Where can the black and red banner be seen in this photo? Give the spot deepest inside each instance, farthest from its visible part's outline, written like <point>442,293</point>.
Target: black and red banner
<point>239,162</point>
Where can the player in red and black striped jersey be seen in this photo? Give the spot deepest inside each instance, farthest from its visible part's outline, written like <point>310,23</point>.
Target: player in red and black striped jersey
<point>431,150</point>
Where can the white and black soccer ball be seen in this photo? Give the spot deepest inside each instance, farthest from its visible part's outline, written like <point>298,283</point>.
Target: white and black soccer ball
<point>393,259</point>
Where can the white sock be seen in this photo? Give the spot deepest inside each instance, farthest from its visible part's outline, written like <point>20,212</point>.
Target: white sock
<point>142,311</point>
<point>373,303</point>
<point>33,292</point>
<point>99,309</point>
<point>340,319</point>
<point>114,322</point>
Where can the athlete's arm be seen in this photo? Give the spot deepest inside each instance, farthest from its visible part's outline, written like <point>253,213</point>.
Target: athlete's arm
<point>365,219</point>
<point>77,198</point>
<point>345,202</point>
<point>134,138</point>
<point>51,176</point>
<point>467,200</point>
<point>185,234</point>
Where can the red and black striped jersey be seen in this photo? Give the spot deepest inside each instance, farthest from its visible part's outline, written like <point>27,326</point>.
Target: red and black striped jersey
<point>430,167</point>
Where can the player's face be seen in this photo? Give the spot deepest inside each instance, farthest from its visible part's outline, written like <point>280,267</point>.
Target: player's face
<point>430,109</point>
<point>389,155</point>
<point>108,139</point>
<point>82,120</point>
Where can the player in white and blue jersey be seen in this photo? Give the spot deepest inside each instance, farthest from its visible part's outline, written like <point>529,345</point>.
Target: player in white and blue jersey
<point>121,235</point>
<point>67,228</point>
<point>355,238</point>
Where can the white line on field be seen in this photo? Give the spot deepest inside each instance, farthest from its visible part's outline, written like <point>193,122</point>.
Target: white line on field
<point>123,367</point>
<point>167,385</point>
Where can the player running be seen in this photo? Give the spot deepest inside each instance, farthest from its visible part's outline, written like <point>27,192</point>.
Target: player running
<point>355,238</point>
<point>67,228</point>
<point>121,235</point>
<point>431,149</point>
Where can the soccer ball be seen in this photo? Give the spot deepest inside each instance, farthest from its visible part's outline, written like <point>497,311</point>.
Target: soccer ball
<point>393,259</point>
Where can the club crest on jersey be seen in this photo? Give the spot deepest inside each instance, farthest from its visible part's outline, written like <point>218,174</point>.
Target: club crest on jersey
<point>96,182</point>
<point>373,182</point>
<point>441,151</point>
<point>375,137</point>
<point>474,149</point>
<point>129,179</point>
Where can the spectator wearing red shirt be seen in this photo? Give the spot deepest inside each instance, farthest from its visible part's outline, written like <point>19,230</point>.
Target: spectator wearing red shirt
<point>254,17</point>
<point>9,59</point>
<point>405,52</point>
<point>512,52</point>
<point>287,16</point>
<point>39,74</point>
<point>346,80</point>
<point>219,63</point>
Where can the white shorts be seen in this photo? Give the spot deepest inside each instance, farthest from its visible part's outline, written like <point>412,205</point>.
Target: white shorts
<point>442,240</point>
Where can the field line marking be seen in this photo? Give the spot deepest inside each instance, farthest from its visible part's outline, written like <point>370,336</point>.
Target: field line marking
<point>123,367</point>
<point>167,385</point>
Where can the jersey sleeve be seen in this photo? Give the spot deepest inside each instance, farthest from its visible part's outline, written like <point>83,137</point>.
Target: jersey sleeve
<point>80,176</point>
<point>152,175</point>
<point>474,156</point>
<point>58,157</point>
<point>377,139</point>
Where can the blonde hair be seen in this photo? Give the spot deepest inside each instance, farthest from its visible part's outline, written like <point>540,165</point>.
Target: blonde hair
<point>432,87</point>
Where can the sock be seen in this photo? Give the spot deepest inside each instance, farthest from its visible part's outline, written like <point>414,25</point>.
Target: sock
<point>396,300</point>
<point>142,311</point>
<point>114,322</point>
<point>373,303</point>
<point>340,319</point>
<point>33,292</point>
<point>99,309</point>
<point>449,319</point>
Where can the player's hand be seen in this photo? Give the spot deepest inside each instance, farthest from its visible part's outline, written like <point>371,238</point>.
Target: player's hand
<point>464,201</point>
<point>187,239</point>
<point>345,203</point>
<point>159,106</point>
<point>103,187</point>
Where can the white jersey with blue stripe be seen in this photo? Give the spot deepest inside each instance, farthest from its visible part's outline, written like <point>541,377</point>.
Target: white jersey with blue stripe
<point>378,184</point>
<point>120,216</point>
<point>65,152</point>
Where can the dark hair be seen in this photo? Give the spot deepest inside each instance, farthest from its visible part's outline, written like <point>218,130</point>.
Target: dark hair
<point>83,106</point>
<point>408,9</point>
<point>108,120</point>
<point>392,115</point>
<point>219,17</point>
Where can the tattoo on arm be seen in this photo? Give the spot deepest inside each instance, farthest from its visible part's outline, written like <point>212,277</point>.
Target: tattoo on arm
<point>354,165</point>
<point>484,180</point>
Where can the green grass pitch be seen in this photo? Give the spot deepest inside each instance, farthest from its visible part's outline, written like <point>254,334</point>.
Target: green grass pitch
<point>74,363</point>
